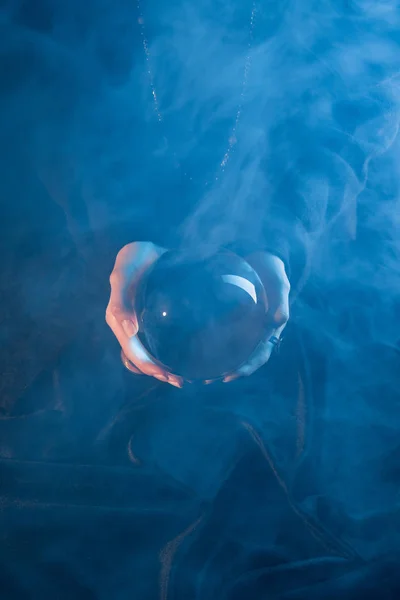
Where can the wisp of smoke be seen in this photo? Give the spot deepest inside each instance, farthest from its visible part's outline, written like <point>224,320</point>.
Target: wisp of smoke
<point>184,117</point>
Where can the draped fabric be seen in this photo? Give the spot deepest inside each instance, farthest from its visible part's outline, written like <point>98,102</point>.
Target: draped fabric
<point>282,485</point>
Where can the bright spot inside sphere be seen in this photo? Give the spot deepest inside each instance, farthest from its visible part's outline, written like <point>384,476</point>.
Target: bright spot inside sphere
<point>201,319</point>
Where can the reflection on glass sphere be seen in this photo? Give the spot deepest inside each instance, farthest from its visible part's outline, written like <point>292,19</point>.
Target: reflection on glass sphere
<point>201,319</point>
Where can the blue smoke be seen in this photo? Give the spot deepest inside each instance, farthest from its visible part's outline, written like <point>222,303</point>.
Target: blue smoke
<point>123,114</point>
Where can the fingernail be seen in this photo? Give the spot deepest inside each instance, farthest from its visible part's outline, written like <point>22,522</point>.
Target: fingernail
<point>161,377</point>
<point>129,328</point>
<point>174,383</point>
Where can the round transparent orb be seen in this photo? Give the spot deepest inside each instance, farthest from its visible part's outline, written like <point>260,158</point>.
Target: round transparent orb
<point>201,319</point>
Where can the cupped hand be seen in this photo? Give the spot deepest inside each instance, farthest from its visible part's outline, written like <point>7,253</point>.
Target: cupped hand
<point>130,265</point>
<point>272,273</point>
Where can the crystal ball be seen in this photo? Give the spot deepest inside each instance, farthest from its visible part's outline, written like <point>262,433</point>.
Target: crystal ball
<point>201,319</point>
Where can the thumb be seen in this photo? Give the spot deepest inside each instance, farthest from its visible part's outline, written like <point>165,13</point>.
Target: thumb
<point>278,310</point>
<point>120,314</point>
<point>119,319</point>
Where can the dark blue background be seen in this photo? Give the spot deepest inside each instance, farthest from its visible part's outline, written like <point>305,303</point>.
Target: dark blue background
<point>284,484</point>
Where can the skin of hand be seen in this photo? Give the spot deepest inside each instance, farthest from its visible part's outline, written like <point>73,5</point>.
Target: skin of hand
<point>272,273</point>
<point>131,263</point>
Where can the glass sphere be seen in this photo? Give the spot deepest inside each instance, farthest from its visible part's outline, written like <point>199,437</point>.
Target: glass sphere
<point>201,319</point>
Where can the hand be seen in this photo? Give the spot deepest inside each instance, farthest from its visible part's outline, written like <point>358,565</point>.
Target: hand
<point>271,271</point>
<point>130,265</point>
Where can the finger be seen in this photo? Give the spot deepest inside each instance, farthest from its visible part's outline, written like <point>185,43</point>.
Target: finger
<point>137,256</point>
<point>120,315</point>
<point>123,324</point>
<point>272,273</point>
<point>134,351</point>
<point>270,268</point>
<point>129,365</point>
<point>257,361</point>
<point>260,357</point>
<point>125,332</point>
<point>120,305</point>
<point>131,261</point>
<point>138,355</point>
<point>134,369</point>
<point>278,305</point>
<point>130,264</point>
<point>278,332</point>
